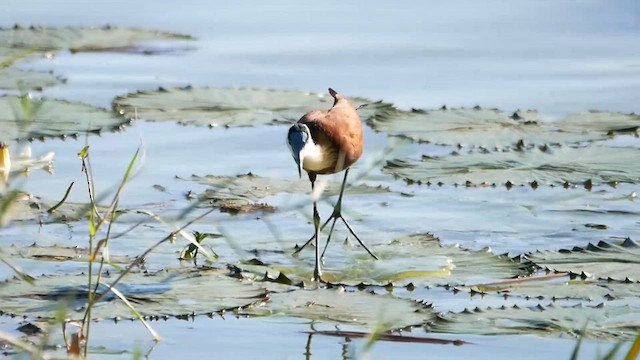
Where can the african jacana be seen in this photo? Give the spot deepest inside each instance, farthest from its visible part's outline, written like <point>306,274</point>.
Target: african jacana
<point>327,142</point>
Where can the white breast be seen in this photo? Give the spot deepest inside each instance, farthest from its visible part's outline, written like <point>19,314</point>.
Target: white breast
<point>315,158</point>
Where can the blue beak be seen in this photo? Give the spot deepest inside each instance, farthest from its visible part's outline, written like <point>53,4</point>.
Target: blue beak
<point>297,139</point>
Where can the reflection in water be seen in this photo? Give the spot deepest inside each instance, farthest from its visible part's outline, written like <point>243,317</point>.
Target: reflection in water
<point>307,347</point>
<point>347,352</point>
<point>147,355</point>
<point>347,349</point>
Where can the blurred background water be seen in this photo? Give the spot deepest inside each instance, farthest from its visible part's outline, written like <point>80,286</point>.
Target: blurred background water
<point>558,57</point>
<point>554,56</point>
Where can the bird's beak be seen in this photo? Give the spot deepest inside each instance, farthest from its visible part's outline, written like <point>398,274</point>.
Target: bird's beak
<point>298,157</point>
<point>297,139</point>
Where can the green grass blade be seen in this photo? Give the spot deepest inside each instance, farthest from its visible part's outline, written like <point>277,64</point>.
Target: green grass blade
<point>120,295</point>
<point>634,350</point>
<point>180,231</point>
<point>21,274</point>
<point>611,355</point>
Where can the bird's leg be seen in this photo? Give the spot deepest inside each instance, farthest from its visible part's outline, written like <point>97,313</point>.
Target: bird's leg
<point>337,213</point>
<point>312,178</point>
<point>317,273</point>
<point>311,238</point>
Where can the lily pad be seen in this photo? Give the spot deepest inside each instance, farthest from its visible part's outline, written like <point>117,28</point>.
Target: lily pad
<point>492,129</point>
<point>348,307</point>
<point>597,321</point>
<point>9,55</point>
<point>24,118</point>
<point>245,191</point>
<point>249,188</point>
<point>405,259</point>
<point>565,287</point>
<point>228,107</point>
<point>165,293</point>
<point>604,260</point>
<point>599,123</point>
<point>28,207</point>
<point>45,39</point>
<point>464,127</point>
<point>57,253</point>
<point>419,260</point>
<point>548,165</point>
<point>12,79</point>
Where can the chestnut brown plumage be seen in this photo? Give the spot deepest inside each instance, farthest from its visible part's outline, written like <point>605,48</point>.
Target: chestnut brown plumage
<point>327,142</point>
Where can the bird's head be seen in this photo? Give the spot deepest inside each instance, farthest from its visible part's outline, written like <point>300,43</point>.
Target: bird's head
<point>297,139</point>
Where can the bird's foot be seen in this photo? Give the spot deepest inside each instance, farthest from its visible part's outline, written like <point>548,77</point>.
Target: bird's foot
<point>338,215</point>
<point>335,215</point>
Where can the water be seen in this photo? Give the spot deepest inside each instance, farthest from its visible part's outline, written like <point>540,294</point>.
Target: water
<point>556,57</point>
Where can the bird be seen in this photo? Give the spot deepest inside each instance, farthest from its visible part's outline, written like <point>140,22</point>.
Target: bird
<point>327,142</point>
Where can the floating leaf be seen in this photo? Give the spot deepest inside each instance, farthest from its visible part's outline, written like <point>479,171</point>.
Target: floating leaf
<point>9,55</point>
<point>492,129</point>
<point>604,260</point>
<point>242,193</point>
<point>12,79</point>
<point>417,259</point>
<point>27,207</point>
<point>350,307</point>
<point>552,166</point>
<point>18,43</point>
<point>25,118</point>
<point>258,187</point>
<point>165,293</point>
<point>599,123</point>
<point>44,39</point>
<point>602,322</point>
<point>562,288</point>
<point>406,258</point>
<point>57,253</point>
<point>466,127</point>
<point>229,107</point>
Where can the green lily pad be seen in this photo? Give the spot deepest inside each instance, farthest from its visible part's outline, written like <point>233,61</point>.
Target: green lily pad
<point>418,259</point>
<point>604,260</point>
<point>18,43</point>
<point>44,39</point>
<point>464,127</point>
<point>599,123</point>
<point>492,129</point>
<point>549,165</point>
<point>562,288</point>
<point>12,79</point>
<point>27,207</point>
<point>348,307</point>
<point>9,55</point>
<point>406,259</point>
<point>57,253</point>
<point>25,118</point>
<point>245,191</point>
<point>228,107</point>
<point>597,321</point>
<point>175,292</point>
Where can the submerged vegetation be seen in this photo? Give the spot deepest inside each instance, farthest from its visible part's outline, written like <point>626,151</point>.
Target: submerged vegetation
<point>419,275</point>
